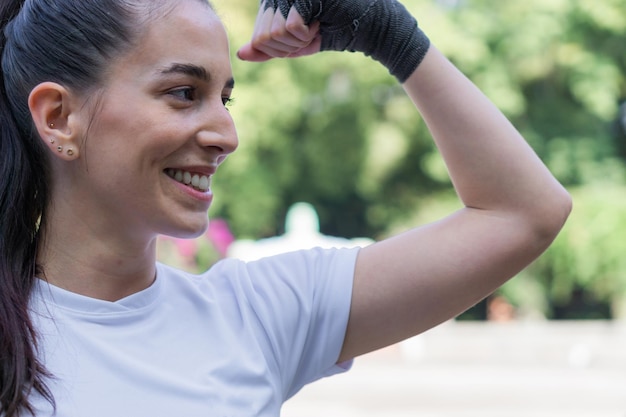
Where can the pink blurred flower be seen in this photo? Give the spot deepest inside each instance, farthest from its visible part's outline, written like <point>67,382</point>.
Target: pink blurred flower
<point>220,235</point>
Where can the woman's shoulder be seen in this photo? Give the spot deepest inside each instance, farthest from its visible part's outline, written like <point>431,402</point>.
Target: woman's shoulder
<point>234,275</point>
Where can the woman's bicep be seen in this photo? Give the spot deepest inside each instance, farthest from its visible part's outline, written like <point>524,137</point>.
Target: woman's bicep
<point>409,283</point>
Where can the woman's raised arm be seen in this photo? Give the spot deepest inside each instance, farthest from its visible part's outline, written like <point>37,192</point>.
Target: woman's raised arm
<point>513,209</point>
<point>513,206</point>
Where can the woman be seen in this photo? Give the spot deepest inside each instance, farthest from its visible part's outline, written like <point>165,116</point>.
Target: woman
<point>114,121</point>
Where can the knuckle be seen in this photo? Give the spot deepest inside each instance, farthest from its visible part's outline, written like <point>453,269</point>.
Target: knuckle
<point>277,33</point>
<point>260,40</point>
<point>293,27</point>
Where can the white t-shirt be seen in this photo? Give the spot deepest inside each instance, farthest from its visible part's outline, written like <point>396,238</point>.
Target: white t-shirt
<point>236,341</point>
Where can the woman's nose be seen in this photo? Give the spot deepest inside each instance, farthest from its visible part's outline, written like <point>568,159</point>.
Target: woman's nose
<point>218,131</point>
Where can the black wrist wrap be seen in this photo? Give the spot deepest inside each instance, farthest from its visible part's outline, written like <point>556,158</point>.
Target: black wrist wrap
<point>382,29</point>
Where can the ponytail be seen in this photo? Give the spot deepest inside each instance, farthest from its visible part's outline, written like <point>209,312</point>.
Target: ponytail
<point>23,196</point>
<point>70,42</point>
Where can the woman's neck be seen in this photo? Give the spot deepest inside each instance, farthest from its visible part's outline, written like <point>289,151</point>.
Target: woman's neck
<point>103,264</point>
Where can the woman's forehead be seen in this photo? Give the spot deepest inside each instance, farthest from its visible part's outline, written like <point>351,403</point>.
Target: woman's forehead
<point>189,34</point>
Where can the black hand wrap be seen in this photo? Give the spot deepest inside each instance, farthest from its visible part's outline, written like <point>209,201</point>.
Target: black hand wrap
<point>382,29</point>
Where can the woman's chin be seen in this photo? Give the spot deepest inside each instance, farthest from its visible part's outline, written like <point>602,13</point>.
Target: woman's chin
<point>189,231</point>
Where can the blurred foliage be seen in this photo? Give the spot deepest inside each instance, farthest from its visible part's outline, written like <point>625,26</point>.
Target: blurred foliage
<point>337,131</point>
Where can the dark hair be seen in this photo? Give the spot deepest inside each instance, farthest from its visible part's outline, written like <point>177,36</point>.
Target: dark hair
<point>63,41</point>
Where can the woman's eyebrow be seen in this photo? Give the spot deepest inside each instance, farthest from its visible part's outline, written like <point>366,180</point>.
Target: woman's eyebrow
<point>191,70</point>
<point>195,71</point>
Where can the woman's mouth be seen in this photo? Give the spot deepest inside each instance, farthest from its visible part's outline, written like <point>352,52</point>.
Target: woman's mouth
<point>196,181</point>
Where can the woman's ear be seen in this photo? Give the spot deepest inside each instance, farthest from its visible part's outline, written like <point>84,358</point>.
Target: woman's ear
<point>51,108</point>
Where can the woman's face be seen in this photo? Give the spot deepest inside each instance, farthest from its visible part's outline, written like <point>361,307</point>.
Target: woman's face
<point>160,130</point>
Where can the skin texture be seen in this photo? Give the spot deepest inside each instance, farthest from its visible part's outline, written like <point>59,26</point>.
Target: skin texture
<point>162,106</point>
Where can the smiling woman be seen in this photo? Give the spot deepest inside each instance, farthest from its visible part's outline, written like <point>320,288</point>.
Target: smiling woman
<point>114,120</point>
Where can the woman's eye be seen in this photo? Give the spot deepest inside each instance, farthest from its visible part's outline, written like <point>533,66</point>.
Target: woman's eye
<point>227,101</point>
<point>184,93</point>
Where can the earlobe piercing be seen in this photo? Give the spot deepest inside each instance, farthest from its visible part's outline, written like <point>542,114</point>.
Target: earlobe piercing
<point>52,140</point>
<point>70,152</point>
<point>59,148</point>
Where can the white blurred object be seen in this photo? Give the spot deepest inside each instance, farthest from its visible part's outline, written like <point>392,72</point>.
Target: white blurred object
<point>302,231</point>
<point>580,355</point>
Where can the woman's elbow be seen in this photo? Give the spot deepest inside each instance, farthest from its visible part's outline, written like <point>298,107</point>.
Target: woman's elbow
<point>551,216</point>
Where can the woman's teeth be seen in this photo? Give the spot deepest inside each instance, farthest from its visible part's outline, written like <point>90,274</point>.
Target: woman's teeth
<point>197,181</point>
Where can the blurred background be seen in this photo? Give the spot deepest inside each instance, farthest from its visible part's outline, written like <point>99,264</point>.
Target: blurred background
<point>337,132</point>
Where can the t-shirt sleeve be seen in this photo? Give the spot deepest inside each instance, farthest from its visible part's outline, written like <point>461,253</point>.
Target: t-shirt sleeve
<point>301,301</point>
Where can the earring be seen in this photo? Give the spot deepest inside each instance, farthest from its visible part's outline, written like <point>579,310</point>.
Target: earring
<point>51,125</point>
<point>70,152</point>
<point>52,140</point>
<point>59,148</point>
